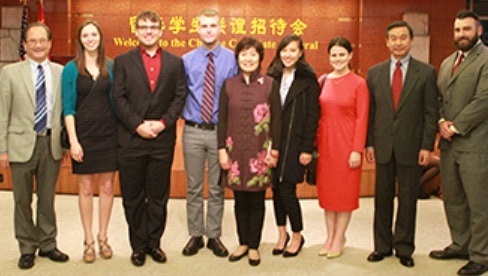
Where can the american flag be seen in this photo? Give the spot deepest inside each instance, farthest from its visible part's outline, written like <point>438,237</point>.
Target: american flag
<point>40,11</point>
<point>25,21</point>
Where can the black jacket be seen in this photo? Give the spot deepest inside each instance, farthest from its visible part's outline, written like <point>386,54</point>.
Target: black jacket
<point>299,121</point>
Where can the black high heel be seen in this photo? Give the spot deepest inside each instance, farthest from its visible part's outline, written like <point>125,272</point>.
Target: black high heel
<point>280,251</point>
<point>288,254</point>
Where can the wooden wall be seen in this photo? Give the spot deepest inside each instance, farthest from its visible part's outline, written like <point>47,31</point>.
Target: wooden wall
<point>362,21</point>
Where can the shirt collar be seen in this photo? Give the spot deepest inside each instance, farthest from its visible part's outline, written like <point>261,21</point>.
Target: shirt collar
<point>144,52</point>
<point>33,63</point>
<point>216,51</point>
<point>404,61</point>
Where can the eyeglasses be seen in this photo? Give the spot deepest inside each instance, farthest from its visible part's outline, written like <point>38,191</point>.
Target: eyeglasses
<point>33,42</point>
<point>149,28</point>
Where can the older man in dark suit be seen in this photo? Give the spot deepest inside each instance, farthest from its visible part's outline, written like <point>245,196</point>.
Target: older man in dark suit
<point>401,135</point>
<point>149,94</point>
<point>463,81</point>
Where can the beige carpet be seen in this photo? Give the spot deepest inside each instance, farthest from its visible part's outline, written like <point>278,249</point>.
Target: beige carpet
<point>432,233</point>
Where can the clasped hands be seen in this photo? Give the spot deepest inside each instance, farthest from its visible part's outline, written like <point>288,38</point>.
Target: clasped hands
<point>446,131</point>
<point>150,129</point>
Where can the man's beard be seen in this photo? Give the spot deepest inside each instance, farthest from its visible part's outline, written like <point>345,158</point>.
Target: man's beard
<point>468,46</point>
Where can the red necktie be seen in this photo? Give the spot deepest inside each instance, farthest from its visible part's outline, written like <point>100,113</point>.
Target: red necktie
<point>397,84</point>
<point>456,66</point>
<point>208,90</point>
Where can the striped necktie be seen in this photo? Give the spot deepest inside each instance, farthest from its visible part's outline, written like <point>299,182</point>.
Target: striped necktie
<point>40,123</point>
<point>208,90</point>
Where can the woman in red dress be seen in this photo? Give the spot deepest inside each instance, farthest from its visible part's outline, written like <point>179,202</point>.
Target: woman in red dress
<point>341,137</point>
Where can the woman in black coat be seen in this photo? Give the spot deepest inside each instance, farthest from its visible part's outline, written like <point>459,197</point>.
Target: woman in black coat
<point>299,93</point>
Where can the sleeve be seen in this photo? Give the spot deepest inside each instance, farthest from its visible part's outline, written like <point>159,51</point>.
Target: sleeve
<point>312,116</point>
<point>176,107</point>
<point>476,111</point>
<point>5,106</point>
<point>372,109</point>
<point>124,111</point>
<point>222,122</point>
<point>362,114</point>
<point>431,111</point>
<point>69,93</point>
<point>275,105</point>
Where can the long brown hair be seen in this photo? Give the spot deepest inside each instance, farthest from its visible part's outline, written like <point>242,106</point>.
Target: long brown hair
<point>102,60</point>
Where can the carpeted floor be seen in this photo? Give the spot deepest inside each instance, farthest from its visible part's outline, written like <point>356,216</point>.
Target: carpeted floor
<point>432,233</point>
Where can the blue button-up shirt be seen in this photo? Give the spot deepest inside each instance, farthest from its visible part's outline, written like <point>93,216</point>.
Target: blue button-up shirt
<point>195,63</point>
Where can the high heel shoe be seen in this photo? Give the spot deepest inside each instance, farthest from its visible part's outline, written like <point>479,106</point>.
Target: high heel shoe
<point>105,249</point>
<point>288,254</point>
<point>333,255</point>
<point>280,251</point>
<point>323,252</point>
<point>89,252</point>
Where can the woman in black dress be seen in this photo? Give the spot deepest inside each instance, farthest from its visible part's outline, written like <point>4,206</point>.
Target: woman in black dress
<point>91,126</point>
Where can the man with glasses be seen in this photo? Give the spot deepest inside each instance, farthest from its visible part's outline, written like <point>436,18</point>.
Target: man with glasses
<point>30,127</point>
<point>149,94</point>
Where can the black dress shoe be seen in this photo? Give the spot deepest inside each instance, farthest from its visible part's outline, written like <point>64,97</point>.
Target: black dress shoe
<point>156,254</point>
<point>54,255</point>
<point>406,261</point>
<point>288,254</point>
<point>472,268</point>
<point>376,256</point>
<point>138,257</point>
<point>26,261</point>
<point>447,255</point>
<point>217,247</point>
<point>280,251</point>
<point>193,245</point>
<point>255,262</point>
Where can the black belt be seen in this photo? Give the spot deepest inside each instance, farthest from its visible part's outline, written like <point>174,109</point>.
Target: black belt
<point>200,126</point>
<point>45,133</point>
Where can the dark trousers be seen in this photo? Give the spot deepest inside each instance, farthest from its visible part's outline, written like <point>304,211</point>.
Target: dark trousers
<point>44,169</point>
<point>249,211</point>
<point>144,185</point>
<point>286,204</point>
<point>403,236</point>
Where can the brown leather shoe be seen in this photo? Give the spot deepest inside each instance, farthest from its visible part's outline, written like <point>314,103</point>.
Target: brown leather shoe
<point>217,247</point>
<point>156,254</point>
<point>193,245</point>
<point>376,256</point>
<point>472,268</point>
<point>26,261</point>
<point>54,255</point>
<point>447,255</point>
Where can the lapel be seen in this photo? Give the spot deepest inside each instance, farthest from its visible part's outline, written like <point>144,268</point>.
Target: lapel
<point>410,80</point>
<point>162,72</point>
<point>139,66</point>
<point>26,74</point>
<point>384,80</point>
<point>295,90</point>
<point>473,55</point>
<point>55,82</point>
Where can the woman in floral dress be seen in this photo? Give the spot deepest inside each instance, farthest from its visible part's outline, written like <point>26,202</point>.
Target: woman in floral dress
<point>248,139</point>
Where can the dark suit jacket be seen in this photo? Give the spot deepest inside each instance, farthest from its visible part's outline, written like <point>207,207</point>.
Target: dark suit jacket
<point>464,100</point>
<point>414,125</point>
<point>134,101</point>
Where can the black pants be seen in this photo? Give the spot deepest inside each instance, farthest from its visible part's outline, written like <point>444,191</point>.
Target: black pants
<point>144,185</point>
<point>249,212</point>
<point>286,204</point>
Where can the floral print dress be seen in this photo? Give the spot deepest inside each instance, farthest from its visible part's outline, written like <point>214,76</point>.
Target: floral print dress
<point>249,115</point>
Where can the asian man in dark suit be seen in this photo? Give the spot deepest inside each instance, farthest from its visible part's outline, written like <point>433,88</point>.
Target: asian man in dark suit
<point>30,127</point>
<point>463,82</point>
<point>402,128</point>
<point>149,94</point>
